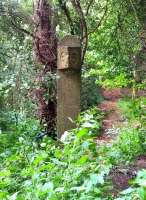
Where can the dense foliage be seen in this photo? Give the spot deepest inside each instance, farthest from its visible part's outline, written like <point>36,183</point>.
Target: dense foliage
<point>114,29</point>
<point>73,168</point>
<point>33,166</point>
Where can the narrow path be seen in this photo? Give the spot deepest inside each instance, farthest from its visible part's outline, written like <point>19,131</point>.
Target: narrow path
<point>119,175</point>
<point>113,117</point>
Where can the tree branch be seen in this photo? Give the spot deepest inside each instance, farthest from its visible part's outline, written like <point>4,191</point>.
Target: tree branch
<point>67,13</point>
<point>83,24</point>
<point>100,22</point>
<point>88,7</point>
<point>21,29</point>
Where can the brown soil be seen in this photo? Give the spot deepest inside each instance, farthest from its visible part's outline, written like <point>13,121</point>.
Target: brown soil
<point>113,116</point>
<point>122,175</point>
<point>119,175</point>
<point>113,94</point>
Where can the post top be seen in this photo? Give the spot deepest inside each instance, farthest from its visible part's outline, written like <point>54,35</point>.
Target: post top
<point>70,41</point>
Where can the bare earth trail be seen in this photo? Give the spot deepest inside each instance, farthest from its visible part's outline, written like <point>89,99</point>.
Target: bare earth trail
<point>112,121</point>
<point>113,116</point>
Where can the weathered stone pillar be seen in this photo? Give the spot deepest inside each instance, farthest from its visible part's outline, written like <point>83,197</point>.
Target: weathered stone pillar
<point>68,83</point>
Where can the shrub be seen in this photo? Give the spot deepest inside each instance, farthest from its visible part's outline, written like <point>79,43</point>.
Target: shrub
<point>90,93</point>
<point>53,170</point>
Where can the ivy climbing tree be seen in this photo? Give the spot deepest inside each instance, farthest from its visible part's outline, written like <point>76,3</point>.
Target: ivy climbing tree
<point>45,48</point>
<point>111,33</point>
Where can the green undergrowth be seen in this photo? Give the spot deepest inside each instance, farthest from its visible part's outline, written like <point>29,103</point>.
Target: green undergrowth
<point>71,168</point>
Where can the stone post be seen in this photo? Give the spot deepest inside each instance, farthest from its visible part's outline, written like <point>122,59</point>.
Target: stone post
<point>68,83</point>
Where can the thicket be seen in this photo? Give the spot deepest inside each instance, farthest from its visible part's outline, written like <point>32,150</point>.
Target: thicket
<point>75,167</point>
<point>36,167</point>
<point>114,39</point>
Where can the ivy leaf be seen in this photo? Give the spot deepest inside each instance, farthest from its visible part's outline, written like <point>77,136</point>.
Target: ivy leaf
<point>82,160</point>
<point>48,186</point>
<point>97,179</point>
<point>94,178</point>
<point>14,196</point>
<point>82,132</point>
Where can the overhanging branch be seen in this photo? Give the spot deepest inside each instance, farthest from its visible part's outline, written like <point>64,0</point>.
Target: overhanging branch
<point>83,25</point>
<point>88,7</point>
<point>21,29</point>
<point>67,13</point>
<point>100,22</point>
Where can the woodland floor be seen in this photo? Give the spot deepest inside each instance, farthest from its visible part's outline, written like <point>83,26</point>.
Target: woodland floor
<point>113,120</point>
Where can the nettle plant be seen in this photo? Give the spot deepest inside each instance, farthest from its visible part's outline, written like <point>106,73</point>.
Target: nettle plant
<point>55,170</point>
<point>91,120</point>
<point>72,168</point>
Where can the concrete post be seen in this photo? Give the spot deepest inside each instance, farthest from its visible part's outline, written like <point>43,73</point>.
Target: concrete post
<point>68,83</point>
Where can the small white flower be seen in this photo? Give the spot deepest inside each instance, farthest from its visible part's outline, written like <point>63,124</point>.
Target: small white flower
<point>43,144</point>
<point>64,136</point>
<point>21,139</point>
